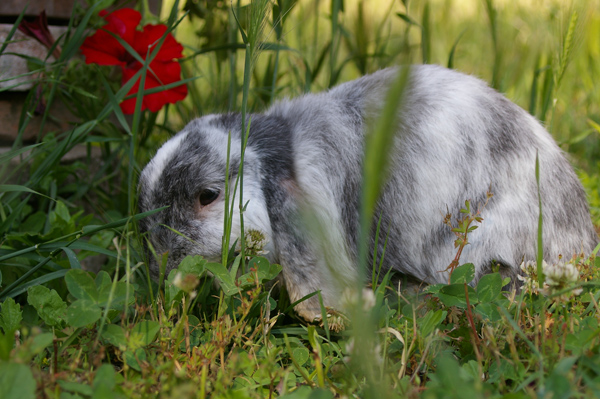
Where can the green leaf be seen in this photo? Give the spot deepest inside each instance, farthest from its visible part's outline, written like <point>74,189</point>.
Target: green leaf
<point>72,258</point>
<point>450,380</point>
<point>453,50</point>
<point>300,355</point>
<point>40,342</point>
<point>431,321</point>
<point>49,305</point>
<point>105,375</point>
<point>104,382</point>
<point>472,368</point>
<point>488,311</point>
<point>454,295</point>
<point>196,332</point>
<point>102,281</point>
<point>305,392</point>
<point>173,294</point>
<point>81,285</point>
<point>146,330</point>
<point>82,312</point>
<point>62,211</point>
<point>16,152</point>
<point>560,386</point>
<point>7,188</point>
<point>115,299</point>
<point>222,275</point>
<point>565,365</point>
<point>16,381</point>
<point>132,359</point>
<point>7,343</point>
<point>72,45</point>
<point>463,274</point>
<point>10,316</point>
<point>233,269</point>
<point>9,37</point>
<point>115,335</point>
<point>37,281</point>
<point>503,370</point>
<point>433,289</point>
<point>264,271</point>
<point>76,387</point>
<point>192,264</point>
<point>407,19</point>
<point>313,338</point>
<point>489,287</point>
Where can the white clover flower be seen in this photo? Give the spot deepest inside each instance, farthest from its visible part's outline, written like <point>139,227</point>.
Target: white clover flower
<point>186,283</point>
<point>530,277</point>
<point>255,242</point>
<point>561,273</point>
<point>178,280</point>
<point>558,276</point>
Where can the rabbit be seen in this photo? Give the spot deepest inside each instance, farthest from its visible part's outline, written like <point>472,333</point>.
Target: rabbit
<point>455,139</point>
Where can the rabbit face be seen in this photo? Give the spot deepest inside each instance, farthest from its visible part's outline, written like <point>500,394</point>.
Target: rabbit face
<point>187,174</point>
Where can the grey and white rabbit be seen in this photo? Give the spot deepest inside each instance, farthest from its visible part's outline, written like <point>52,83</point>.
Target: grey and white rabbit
<point>456,138</point>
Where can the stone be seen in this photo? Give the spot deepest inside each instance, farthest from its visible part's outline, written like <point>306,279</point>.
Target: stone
<point>11,105</point>
<point>14,73</point>
<point>54,8</point>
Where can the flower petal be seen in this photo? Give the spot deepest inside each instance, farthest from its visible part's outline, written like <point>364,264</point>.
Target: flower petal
<point>38,29</point>
<point>145,41</point>
<point>102,48</point>
<point>123,22</point>
<point>95,50</point>
<point>158,74</point>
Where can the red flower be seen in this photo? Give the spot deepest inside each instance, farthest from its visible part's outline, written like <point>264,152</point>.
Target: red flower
<point>38,30</point>
<point>103,49</point>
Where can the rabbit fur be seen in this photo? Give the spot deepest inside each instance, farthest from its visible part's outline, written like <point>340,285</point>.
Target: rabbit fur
<point>456,138</point>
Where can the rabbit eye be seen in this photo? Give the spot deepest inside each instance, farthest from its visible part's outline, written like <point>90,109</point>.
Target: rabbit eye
<point>208,196</point>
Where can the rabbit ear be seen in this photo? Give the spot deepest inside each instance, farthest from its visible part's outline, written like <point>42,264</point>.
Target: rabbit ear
<point>154,169</point>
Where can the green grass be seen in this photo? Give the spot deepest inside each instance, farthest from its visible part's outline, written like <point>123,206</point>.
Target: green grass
<point>68,333</point>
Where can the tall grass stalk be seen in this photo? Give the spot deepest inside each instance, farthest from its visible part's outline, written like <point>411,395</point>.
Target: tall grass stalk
<point>561,63</point>
<point>540,243</point>
<point>336,8</point>
<point>251,40</point>
<point>378,145</point>
<point>568,45</point>
<point>232,32</point>
<point>426,35</point>
<point>540,270</point>
<point>227,214</point>
<point>279,16</point>
<point>492,14</point>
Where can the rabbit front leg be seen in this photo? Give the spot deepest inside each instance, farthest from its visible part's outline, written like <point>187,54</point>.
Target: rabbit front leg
<point>301,274</point>
<point>311,248</point>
